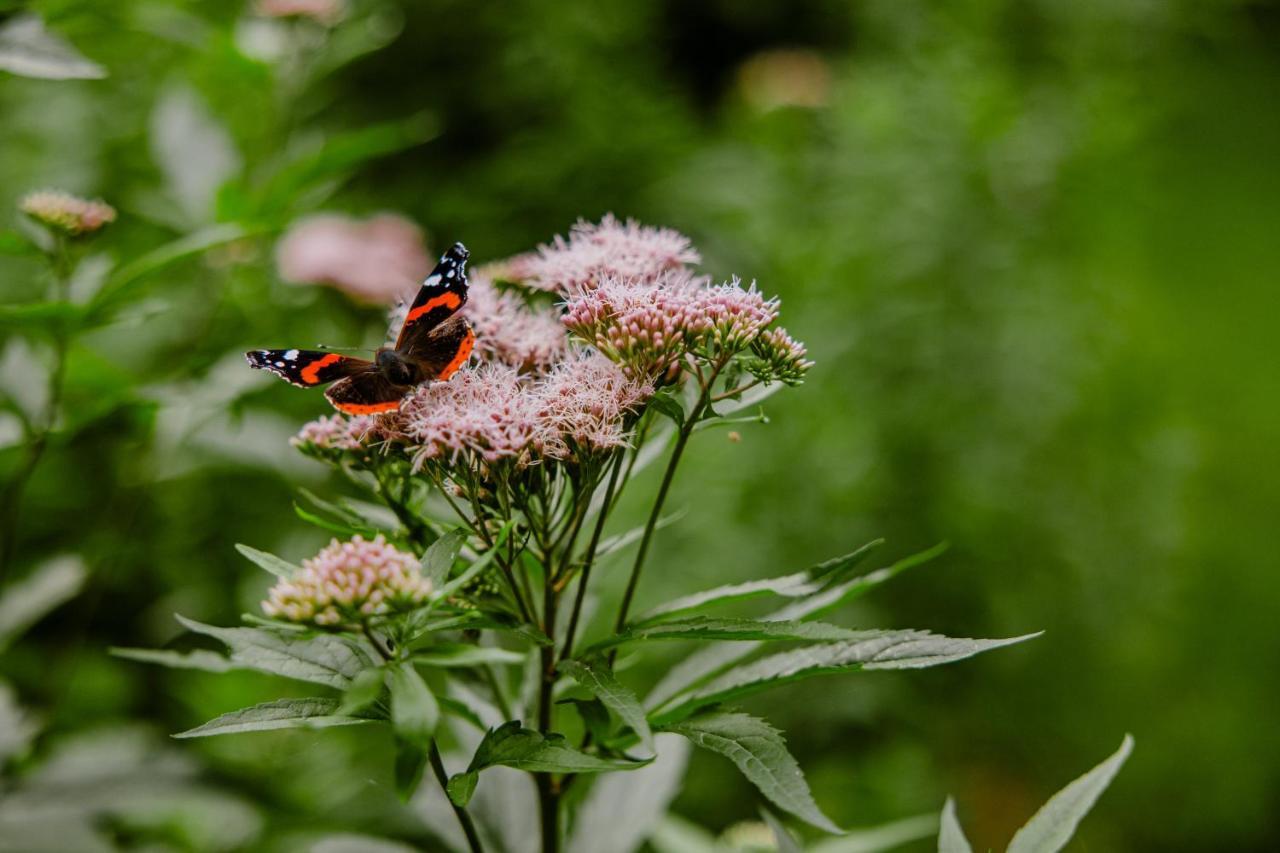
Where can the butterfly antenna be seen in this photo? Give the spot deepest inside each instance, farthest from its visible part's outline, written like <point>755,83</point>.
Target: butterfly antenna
<point>342,349</point>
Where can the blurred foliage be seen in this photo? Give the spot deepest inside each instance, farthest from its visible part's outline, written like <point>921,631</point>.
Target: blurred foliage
<point>1026,242</point>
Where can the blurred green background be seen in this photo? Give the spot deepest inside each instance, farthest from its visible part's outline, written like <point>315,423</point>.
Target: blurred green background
<point>1032,247</point>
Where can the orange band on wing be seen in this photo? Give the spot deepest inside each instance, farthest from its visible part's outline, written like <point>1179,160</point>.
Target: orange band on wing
<point>464,352</point>
<point>367,408</point>
<point>448,300</point>
<point>311,373</point>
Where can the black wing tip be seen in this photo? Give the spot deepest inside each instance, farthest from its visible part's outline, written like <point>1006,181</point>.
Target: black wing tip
<point>255,357</point>
<point>457,252</point>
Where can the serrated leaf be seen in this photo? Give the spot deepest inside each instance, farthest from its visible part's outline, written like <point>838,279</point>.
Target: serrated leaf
<point>273,564</point>
<point>30,50</point>
<point>319,659</point>
<point>27,601</point>
<point>201,659</point>
<point>883,650</point>
<point>760,753</point>
<point>1052,826</point>
<point>596,675</point>
<point>950,836</point>
<point>312,713</point>
<point>512,745</point>
<point>787,586</point>
<point>463,654</point>
<point>740,630</point>
<point>437,562</point>
<point>363,691</point>
<point>415,713</point>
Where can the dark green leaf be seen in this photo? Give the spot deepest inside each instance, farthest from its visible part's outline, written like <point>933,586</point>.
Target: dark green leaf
<point>273,564</point>
<point>511,745</point>
<point>280,714</point>
<point>665,403</point>
<point>760,752</point>
<point>411,760</point>
<point>461,788</point>
<point>708,628</point>
<point>882,650</point>
<point>414,710</point>
<point>320,658</point>
<point>596,675</point>
<point>595,717</point>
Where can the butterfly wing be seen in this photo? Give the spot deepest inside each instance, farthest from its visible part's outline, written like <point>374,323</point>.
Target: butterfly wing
<point>307,368</point>
<point>366,394</point>
<point>442,294</point>
<point>440,352</point>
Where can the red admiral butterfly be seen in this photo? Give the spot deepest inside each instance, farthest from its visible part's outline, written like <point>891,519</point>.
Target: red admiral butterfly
<point>433,343</point>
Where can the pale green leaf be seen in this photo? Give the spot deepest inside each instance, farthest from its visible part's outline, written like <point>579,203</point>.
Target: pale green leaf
<point>25,602</point>
<point>1051,828</point>
<point>28,49</point>
<point>438,560</point>
<point>788,586</point>
<point>950,836</point>
<point>876,839</point>
<point>741,630</point>
<point>760,753</point>
<point>462,654</point>
<point>312,713</point>
<point>319,658</point>
<point>364,690</point>
<point>415,713</point>
<point>476,567</point>
<point>786,842</point>
<point>273,564</point>
<point>597,676</point>
<point>201,659</point>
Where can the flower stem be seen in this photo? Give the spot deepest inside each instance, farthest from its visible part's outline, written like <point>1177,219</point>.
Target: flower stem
<point>589,558</point>
<point>464,819</point>
<point>548,786</point>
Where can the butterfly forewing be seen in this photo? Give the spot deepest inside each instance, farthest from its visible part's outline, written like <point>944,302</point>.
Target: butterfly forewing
<point>443,293</point>
<point>307,368</point>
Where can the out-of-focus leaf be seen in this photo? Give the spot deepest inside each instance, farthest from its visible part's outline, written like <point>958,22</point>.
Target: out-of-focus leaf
<point>24,603</point>
<point>437,562</point>
<point>17,728</point>
<point>28,49</point>
<point>415,713</point>
<point>193,150</point>
<point>597,676</point>
<point>411,761</point>
<point>463,654</point>
<point>674,834</point>
<point>621,809</point>
<point>44,317</point>
<point>885,650</point>
<point>312,713</point>
<point>612,544</point>
<point>950,836</point>
<point>364,690</point>
<point>760,752</point>
<point>1052,826</point>
<point>273,564</point>
<point>201,659</point>
<point>350,842</point>
<point>319,659</point>
<point>709,628</point>
<point>781,836</point>
<point>14,243</point>
<point>879,838</point>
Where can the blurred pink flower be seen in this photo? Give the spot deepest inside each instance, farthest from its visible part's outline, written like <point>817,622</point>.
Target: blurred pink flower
<point>67,213</point>
<point>326,12</point>
<point>348,582</point>
<point>611,249</point>
<point>377,260</point>
<point>509,330</point>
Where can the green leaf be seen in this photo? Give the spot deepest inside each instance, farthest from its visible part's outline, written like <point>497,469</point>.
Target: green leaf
<point>273,564</point>
<point>785,841</point>
<point>760,752</point>
<point>319,659</point>
<point>201,659</point>
<point>415,713</point>
<point>353,520</point>
<point>1051,828</point>
<point>45,317</point>
<point>788,586</point>
<point>437,562</point>
<point>875,839</point>
<point>364,690</point>
<point>597,676</point>
<point>882,650</point>
<point>707,628</point>
<point>27,601</point>
<point>312,713</point>
<point>14,243</point>
<point>511,745</point>
<point>594,715</point>
<point>478,566</point>
<point>30,50</point>
<point>411,760</point>
<point>462,787</point>
<point>950,836</point>
<point>463,654</point>
<point>665,403</point>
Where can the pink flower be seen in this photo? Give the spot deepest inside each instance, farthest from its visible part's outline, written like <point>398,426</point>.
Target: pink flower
<point>586,400</point>
<point>335,433</point>
<point>728,316</point>
<point>67,213</point>
<point>509,330</point>
<point>348,582</point>
<point>377,260</point>
<point>326,12</point>
<point>611,249</point>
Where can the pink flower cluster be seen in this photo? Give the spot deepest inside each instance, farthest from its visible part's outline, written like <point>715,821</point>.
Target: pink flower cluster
<point>625,250</point>
<point>508,330</point>
<point>67,213</point>
<point>494,412</point>
<point>336,433</point>
<point>349,581</point>
<point>325,12</point>
<point>376,260</point>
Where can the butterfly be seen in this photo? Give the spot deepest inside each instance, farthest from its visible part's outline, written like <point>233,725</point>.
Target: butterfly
<point>433,343</point>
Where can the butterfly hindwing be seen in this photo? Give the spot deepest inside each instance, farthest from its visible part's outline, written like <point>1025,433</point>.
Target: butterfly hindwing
<point>443,293</point>
<point>366,394</point>
<point>307,368</point>
<point>444,349</point>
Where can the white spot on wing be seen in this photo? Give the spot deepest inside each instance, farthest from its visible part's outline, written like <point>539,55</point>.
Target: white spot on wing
<point>291,355</point>
<point>432,280</point>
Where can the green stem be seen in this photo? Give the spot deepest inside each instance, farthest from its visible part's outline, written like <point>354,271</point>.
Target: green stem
<point>589,558</point>
<point>464,819</point>
<point>548,786</point>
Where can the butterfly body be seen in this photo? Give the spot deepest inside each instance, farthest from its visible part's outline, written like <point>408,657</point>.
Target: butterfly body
<point>433,344</point>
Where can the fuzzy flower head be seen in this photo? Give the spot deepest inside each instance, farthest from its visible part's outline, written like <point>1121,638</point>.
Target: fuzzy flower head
<point>642,326</point>
<point>728,317</point>
<point>586,400</point>
<point>509,330</point>
<point>330,436</point>
<point>348,582</point>
<point>69,214</point>
<point>779,358</point>
<point>324,12</point>
<point>611,249</point>
<point>376,260</point>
